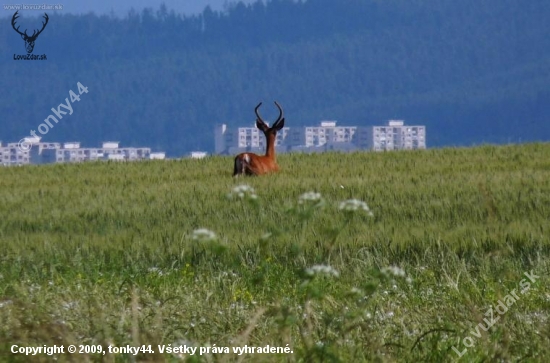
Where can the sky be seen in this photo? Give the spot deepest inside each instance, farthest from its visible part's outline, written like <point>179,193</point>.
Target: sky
<point>121,7</point>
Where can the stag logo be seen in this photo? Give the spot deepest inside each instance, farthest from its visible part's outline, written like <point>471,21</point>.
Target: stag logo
<point>29,40</point>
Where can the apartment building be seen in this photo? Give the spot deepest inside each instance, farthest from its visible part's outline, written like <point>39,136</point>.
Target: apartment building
<point>325,136</point>
<point>32,151</point>
<point>26,151</point>
<point>240,139</point>
<point>198,154</point>
<point>72,152</point>
<point>13,155</point>
<point>393,136</point>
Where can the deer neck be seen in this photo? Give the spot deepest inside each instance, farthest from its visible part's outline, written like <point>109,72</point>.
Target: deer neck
<point>270,149</point>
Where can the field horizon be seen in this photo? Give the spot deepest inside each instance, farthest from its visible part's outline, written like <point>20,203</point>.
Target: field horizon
<point>426,255</point>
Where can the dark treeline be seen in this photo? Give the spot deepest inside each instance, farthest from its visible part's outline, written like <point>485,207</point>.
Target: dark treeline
<point>471,71</point>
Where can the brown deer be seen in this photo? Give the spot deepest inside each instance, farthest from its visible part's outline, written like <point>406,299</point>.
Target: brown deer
<point>253,164</point>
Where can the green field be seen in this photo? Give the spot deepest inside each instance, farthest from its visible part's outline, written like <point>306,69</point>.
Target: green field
<point>108,254</point>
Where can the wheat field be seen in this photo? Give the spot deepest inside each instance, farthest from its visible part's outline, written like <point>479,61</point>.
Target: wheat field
<point>361,257</point>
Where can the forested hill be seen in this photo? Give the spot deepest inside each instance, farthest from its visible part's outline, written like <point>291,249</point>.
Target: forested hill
<point>472,71</point>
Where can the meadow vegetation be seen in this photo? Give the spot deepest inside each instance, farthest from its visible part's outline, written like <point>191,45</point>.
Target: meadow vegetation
<point>175,252</point>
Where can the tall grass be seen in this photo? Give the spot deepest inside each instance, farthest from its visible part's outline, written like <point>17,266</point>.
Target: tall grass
<point>104,253</point>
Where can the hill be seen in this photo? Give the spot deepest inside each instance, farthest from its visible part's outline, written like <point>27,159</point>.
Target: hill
<point>472,72</point>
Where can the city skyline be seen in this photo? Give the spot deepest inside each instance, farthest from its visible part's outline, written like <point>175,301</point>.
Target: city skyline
<point>326,136</point>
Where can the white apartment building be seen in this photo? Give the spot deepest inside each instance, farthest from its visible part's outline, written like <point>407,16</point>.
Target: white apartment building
<point>32,151</point>
<point>394,136</point>
<point>13,155</point>
<point>326,133</point>
<point>157,156</point>
<point>25,152</point>
<point>72,152</point>
<point>240,139</point>
<point>326,136</point>
<point>198,154</point>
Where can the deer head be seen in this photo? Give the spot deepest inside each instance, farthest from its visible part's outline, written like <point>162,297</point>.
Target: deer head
<point>29,40</point>
<point>263,126</point>
<point>253,164</point>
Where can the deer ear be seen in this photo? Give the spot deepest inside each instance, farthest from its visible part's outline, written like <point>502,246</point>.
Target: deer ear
<point>279,125</point>
<point>261,125</point>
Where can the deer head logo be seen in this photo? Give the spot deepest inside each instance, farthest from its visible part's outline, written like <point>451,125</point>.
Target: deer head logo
<point>29,40</point>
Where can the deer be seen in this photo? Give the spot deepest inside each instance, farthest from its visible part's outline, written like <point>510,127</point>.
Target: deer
<point>253,164</point>
<point>29,40</point>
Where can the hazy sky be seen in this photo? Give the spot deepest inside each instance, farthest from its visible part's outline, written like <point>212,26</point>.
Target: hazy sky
<point>121,7</point>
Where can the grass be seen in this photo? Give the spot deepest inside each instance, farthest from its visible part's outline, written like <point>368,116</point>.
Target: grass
<point>105,254</point>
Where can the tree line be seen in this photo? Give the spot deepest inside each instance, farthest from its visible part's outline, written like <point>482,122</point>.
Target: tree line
<point>471,71</point>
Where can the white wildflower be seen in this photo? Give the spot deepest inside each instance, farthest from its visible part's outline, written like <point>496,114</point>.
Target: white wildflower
<point>69,305</point>
<point>155,270</point>
<point>394,271</point>
<point>353,205</point>
<point>243,191</point>
<point>429,291</point>
<point>322,269</point>
<point>310,197</point>
<point>204,235</point>
<point>266,236</point>
<point>5,303</point>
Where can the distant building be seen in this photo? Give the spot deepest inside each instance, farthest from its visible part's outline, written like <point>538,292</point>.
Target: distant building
<point>240,139</point>
<point>31,151</point>
<point>198,154</point>
<point>27,151</point>
<point>326,136</point>
<point>116,157</point>
<point>72,152</point>
<point>395,136</point>
<point>13,155</point>
<point>157,156</point>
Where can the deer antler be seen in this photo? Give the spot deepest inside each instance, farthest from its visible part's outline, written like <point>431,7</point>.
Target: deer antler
<point>280,112</point>
<point>13,19</point>
<point>34,34</point>
<point>257,113</point>
<point>278,118</point>
<point>43,26</point>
